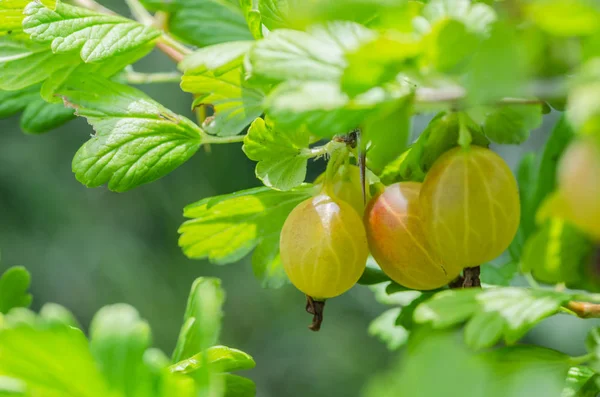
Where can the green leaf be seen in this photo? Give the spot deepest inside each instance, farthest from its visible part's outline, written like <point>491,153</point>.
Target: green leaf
<point>205,22</point>
<point>14,285</point>
<point>52,314</point>
<point>324,109</point>
<point>378,61</point>
<point>581,382</point>
<point>384,327</point>
<point>24,63</point>
<point>565,17</point>
<point>317,54</point>
<point>97,36</point>
<point>252,15</point>
<point>499,274</point>
<point>10,387</point>
<point>386,135</point>
<point>235,105</point>
<point>275,13</point>
<point>237,386</point>
<point>436,363</point>
<point>512,124</point>
<point>12,102</point>
<point>38,116</point>
<point>11,16</point>
<point>281,156</point>
<point>559,252</point>
<point>202,319</point>
<point>490,314</point>
<point>449,45</point>
<point>545,182</point>
<point>137,140</point>
<point>266,263</point>
<point>501,55</point>
<point>218,58</point>
<point>219,358</point>
<point>53,361</point>
<point>583,102</point>
<point>224,229</point>
<point>118,340</point>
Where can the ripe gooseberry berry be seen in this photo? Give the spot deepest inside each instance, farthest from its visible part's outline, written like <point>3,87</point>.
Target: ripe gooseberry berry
<point>323,247</point>
<point>579,184</point>
<point>398,242</point>
<point>470,206</point>
<point>346,186</point>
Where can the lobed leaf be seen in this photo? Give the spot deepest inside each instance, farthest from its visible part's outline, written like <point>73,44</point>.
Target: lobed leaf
<point>237,386</point>
<point>490,314</point>
<point>54,361</point>
<point>253,18</point>
<point>235,105</point>
<point>14,286</point>
<point>316,55</point>
<point>38,115</point>
<point>385,328</point>
<point>218,358</point>
<point>280,156</point>
<point>204,23</point>
<point>118,340</point>
<point>137,140</point>
<point>97,36</point>
<point>378,61</point>
<point>24,63</point>
<point>202,319</point>
<point>581,382</point>
<point>512,124</point>
<point>508,371</point>
<point>11,16</point>
<point>218,58</point>
<point>226,228</point>
<point>559,252</point>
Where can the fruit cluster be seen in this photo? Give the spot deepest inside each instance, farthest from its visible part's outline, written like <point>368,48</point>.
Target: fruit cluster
<point>422,235</point>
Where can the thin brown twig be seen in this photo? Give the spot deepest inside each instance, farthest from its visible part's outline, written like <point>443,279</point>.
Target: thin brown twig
<point>584,309</point>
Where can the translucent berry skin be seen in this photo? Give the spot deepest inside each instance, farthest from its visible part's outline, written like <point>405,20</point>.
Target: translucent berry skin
<point>470,206</point>
<point>323,247</point>
<point>398,242</point>
<point>346,187</point>
<point>579,183</point>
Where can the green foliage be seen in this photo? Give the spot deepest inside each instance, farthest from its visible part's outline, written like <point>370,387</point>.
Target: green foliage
<point>491,314</point>
<point>202,319</point>
<point>512,124</point>
<point>508,371</point>
<point>581,382</point>
<point>290,73</point>
<point>559,252</point>
<point>14,285</point>
<point>226,228</point>
<point>46,355</point>
<point>97,36</point>
<point>204,23</point>
<point>137,140</point>
<point>441,135</point>
<point>282,157</point>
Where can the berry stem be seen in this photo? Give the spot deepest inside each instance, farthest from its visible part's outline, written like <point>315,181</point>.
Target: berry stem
<point>315,308</point>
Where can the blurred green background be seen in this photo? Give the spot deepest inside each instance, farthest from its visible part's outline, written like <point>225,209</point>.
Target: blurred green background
<point>87,248</point>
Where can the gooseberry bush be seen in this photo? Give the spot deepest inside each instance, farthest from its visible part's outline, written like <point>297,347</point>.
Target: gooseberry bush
<point>471,254</point>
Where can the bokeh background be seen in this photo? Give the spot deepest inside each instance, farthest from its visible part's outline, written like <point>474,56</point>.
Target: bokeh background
<point>87,248</point>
